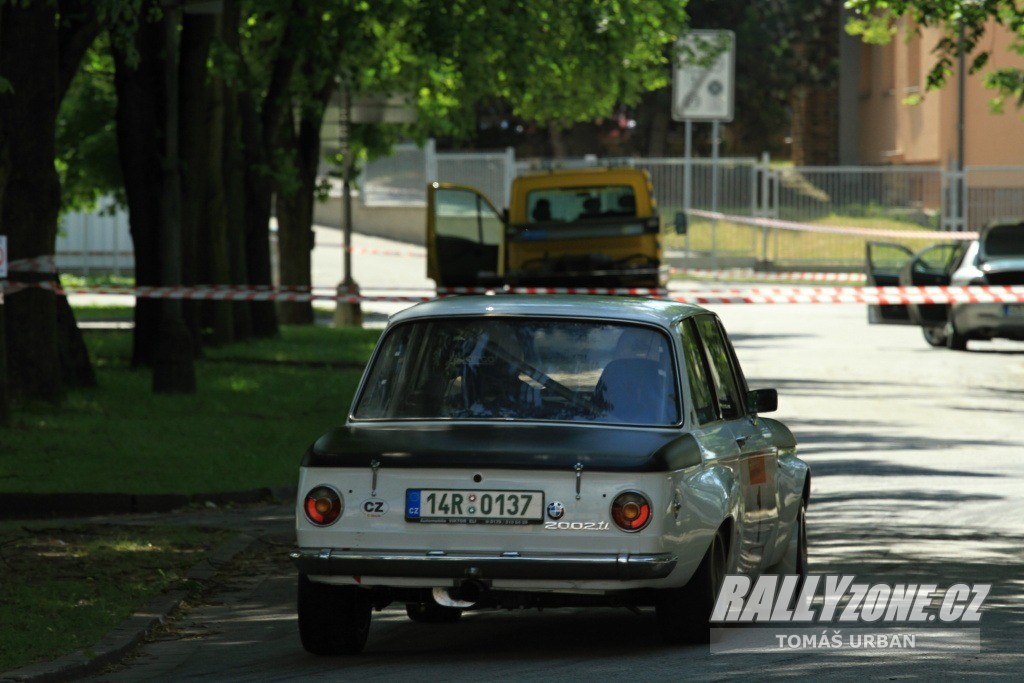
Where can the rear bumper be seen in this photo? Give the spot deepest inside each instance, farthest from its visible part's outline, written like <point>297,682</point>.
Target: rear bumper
<point>438,564</point>
<point>987,320</point>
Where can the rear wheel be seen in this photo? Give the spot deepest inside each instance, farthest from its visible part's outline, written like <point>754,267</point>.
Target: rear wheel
<point>684,614</point>
<point>432,613</point>
<point>955,340</point>
<point>935,336</point>
<point>795,559</point>
<point>333,620</point>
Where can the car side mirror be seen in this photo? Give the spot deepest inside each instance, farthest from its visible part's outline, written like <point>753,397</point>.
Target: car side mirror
<point>681,223</point>
<point>763,400</point>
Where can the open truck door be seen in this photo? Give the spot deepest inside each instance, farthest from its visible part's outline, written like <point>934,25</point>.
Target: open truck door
<point>885,262</point>
<point>465,237</point>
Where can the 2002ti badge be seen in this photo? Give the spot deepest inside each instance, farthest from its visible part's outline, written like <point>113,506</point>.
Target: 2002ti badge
<point>509,452</point>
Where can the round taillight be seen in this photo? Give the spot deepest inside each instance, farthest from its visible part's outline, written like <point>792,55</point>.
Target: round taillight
<point>323,505</point>
<point>631,511</point>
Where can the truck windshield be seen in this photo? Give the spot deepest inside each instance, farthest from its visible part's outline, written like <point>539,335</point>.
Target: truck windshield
<point>580,203</point>
<point>521,368</point>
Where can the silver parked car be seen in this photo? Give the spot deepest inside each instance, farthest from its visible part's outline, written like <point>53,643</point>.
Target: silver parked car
<point>509,452</point>
<point>995,258</point>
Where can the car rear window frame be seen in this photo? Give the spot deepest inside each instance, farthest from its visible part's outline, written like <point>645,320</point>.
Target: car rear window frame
<point>659,329</point>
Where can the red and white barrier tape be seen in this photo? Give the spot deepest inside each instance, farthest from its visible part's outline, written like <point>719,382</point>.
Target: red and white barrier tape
<point>860,295</point>
<point>833,229</point>
<point>775,295</point>
<point>36,264</point>
<point>751,274</point>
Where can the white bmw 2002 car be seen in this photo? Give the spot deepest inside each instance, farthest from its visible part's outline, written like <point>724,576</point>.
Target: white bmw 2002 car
<point>509,452</point>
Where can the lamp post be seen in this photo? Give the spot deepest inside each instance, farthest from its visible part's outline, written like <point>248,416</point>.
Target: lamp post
<point>961,186</point>
<point>347,313</point>
<point>373,108</point>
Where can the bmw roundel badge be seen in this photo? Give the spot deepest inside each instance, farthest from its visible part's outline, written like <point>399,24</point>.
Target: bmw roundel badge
<point>556,510</point>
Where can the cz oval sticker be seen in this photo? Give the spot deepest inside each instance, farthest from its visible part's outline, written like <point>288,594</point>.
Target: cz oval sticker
<point>375,507</point>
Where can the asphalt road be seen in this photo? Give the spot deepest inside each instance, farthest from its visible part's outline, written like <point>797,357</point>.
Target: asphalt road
<point>917,456</point>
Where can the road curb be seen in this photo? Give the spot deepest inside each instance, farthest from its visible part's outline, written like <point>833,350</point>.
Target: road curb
<point>130,632</point>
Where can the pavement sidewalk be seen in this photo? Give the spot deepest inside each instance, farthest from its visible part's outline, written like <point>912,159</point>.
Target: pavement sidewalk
<point>270,520</point>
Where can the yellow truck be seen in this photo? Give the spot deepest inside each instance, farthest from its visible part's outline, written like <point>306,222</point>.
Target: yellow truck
<point>591,227</point>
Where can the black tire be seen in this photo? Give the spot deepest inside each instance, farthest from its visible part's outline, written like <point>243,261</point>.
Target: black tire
<point>935,336</point>
<point>795,559</point>
<point>802,565</point>
<point>955,340</point>
<point>432,613</point>
<point>333,620</point>
<point>684,614</point>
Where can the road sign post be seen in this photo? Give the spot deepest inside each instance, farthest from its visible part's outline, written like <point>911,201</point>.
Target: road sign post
<point>704,76</point>
<point>703,86</point>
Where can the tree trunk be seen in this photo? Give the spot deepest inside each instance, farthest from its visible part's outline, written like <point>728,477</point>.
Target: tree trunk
<point>295,215</point>
<point>5,404</point>
<point>234,209</point>
<point>195,128</point>
<point>28,112</point>
<point>233,174</point>
<point>173,366</point>
<point>258,197</point>
<point>258,129</point>
<point>557,141</point>
<point>140,101</point>
<point>75,367</point>
<point>5,168</point>
<point>214,267</point>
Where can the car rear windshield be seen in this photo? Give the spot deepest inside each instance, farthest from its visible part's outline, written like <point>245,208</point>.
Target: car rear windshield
<point>519,368</point>
<point>1006,240</point>
<point>566,204</point>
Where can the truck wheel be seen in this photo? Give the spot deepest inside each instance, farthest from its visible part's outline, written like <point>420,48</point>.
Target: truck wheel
<point>333,620</point>
<point>432,613</point>
<point>684,614</point>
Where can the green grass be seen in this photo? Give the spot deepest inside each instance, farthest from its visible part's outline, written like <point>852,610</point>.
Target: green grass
<point>65,587</point>
<point>100,312</point>
<point>246,427</point>
<point>80,281</point>
<point>788,246</point>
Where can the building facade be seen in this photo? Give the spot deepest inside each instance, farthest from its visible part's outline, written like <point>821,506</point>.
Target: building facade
<point>877,126</point>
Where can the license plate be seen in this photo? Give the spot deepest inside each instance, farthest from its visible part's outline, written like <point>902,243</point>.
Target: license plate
<point>472,506</point>
<point>1013,310</point>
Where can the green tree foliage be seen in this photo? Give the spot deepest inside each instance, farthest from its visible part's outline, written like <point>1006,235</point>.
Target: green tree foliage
<point>963,24</point>
<point>563,62</point>
<point>87,158</point>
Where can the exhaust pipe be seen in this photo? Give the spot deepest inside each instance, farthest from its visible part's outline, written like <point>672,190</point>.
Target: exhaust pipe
<point>465,595</point>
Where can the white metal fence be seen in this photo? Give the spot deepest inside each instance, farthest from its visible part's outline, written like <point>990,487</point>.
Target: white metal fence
<point>95,243</point>
<point>910,198</point>
<point>901,197</point>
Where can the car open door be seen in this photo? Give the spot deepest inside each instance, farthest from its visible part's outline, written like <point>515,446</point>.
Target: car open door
<point>465,237</point>
<point>885,262</point>
<point>931,267</point>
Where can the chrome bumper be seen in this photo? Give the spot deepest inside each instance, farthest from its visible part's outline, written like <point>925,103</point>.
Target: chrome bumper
<point>438,564</point>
